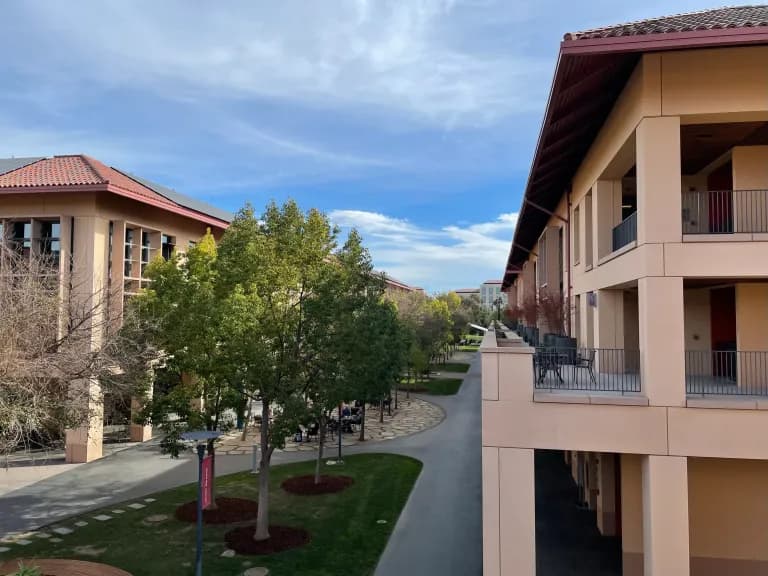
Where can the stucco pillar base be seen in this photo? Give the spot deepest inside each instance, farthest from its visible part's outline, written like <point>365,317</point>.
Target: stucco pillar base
<point>665,516</point>
<point>83,444</point>
<point>139,432</point>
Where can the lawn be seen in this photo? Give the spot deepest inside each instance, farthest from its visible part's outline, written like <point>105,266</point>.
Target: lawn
<point>470,348</point>
<point>347,535</point>
<point>459,367</point>
<point>434,386</point>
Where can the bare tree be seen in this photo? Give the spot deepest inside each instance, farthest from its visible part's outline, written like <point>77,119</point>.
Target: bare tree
<point>62,348</point>
<point>553,311</point>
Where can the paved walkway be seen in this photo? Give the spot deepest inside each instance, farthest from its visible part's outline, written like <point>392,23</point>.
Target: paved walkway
<point>412,415</point>
<point>439,531</point>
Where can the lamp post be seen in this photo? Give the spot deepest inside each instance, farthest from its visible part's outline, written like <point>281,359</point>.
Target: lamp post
<point>203,486</point>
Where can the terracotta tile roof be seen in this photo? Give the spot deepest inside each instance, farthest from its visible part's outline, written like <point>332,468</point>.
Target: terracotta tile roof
<point>81,170</point>
<point>56,171</point>
<point>719,18</point>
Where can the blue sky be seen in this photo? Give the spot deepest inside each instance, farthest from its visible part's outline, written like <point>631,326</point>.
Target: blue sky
<point>413,120</point>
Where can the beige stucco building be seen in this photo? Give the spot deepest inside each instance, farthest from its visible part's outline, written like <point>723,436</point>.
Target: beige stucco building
<point>647,209</point>
<point>102,226</point>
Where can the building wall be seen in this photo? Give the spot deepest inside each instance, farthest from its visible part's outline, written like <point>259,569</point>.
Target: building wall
<point>728,512</point>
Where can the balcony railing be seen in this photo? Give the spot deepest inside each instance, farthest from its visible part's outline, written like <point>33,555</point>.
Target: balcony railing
<point>726,373</point>
<point>587,369</point>
<point>725,212</point>
<point>626,232</point>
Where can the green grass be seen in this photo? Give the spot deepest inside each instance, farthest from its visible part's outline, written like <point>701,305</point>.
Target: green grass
<point>469,348</point>
<point>346,538</point>
<point>435,386</point>
<point>459,367</point>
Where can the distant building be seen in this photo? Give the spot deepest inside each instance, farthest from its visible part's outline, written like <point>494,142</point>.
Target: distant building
<point>465,293</point>
<point>393,285</point>
<point>489,291</point>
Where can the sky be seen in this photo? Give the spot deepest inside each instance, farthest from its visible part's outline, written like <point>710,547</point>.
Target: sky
<point>412,120</point>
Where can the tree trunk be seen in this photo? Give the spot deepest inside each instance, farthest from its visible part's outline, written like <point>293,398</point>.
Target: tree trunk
<point>381,411</point>
<point>262,518</point>
<point>212,454</point>
<point>408,388</point>
<point>247,420</point>
<point>321,445</point>
<point>362,423</point>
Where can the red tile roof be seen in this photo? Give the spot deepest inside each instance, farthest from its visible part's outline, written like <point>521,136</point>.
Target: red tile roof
<point>56,171</point>
<point>80,170</point>
<point>719,18</point>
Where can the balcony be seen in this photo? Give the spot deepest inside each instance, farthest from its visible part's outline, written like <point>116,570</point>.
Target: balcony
<point>624,233</point>
<point>587,370</point>
<point>726,373</point>
<point>725,212</point>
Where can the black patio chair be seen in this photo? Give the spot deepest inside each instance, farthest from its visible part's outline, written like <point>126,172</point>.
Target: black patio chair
<point>585,360</point>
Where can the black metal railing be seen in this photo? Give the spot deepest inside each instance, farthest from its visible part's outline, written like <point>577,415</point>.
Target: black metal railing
<point>587,369</point>
<point>626,232</point>
<point>725,211</point>
<point>726,373</point>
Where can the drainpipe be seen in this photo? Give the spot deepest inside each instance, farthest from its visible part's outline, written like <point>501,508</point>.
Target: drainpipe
<point>568,261</point>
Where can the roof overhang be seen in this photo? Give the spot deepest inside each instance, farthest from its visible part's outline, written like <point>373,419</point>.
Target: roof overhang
<point>589,77</point>
<point>167,206</point>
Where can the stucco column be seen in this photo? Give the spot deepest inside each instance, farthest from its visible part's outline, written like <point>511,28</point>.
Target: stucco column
<point>604,207</point>
<point>662,340</point>
<point>517,513</point>
<point>659,202</point>
<point>89,282</point>
<point>609,331</point>
<point>139,432</point>
<point>665,516</point>
<point>606,502</point>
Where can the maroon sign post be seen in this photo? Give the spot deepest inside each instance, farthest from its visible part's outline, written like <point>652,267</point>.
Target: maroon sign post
<point>205,482</point>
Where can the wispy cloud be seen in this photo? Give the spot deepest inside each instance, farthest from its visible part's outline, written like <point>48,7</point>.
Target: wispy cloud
<point>387,57</point>
<point>442,258</point>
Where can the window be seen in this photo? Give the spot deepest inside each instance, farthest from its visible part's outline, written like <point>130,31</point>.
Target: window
<point>560,250</point>
<point>50,241</point>
<point>588,229</point>
<point>576,235</point>
<point>129,238</point>
<point>168,244</point>
<point>145,250</point>
<point>541,267</point>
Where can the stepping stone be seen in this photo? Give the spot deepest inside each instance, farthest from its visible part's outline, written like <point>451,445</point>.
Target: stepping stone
<point>43,535</point>
<point>4,549</point>
<point>81,524</point>
<point>23,542</point>
<point>150,500</point>
<point>55,540</point>
<point>102,517</point>
<point>137,506</point>
<point>256,571</point>
<point>118,511</point>
<point>381,521</point>
<point>63,531</point>
<point>156,518</point>
<point>228,554</point>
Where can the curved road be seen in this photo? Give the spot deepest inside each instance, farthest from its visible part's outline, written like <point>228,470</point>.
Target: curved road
<point>439,530</point>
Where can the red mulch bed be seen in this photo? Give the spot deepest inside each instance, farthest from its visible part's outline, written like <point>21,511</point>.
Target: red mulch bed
<point>228,511</point>
<point>305,485</point>
<point>280,538</point>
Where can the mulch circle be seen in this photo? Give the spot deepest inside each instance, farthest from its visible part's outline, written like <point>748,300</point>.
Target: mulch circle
<point>63,567</point>
<point>305,485</point>
<point>227,511</point>
<point>280,538</point>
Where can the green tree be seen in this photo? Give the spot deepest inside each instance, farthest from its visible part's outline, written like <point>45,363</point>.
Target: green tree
<point>182,307</point>
<point>329,325</point>
<point>269,269</point>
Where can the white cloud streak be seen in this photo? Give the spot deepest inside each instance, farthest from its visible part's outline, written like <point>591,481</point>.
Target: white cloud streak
<point>444,258</point>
